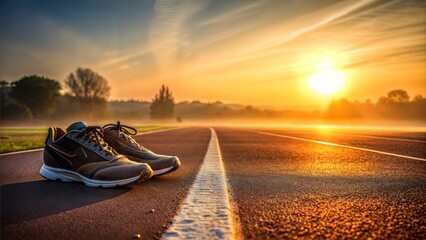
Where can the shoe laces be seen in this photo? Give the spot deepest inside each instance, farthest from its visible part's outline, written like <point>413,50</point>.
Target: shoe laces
<point>93,135</point>
<point>125,132</point>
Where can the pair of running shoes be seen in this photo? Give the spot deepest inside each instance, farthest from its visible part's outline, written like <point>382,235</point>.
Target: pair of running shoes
<point>105,156</point>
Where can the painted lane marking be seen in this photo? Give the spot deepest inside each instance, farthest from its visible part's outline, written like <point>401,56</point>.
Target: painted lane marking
<point>378,137</point>
<point>21,152</point>
<point>40,149</point>
<point>339,145</point>
<point>206,212</point>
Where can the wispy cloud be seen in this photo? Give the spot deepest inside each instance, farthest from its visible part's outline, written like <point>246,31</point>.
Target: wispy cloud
<point>271,55</point>
<point>232,14</point>
<point>259,41</point>
<point>62,46</point>
<point>124,56</point>
<point>306,24</point>
<point>220,46</point>
<point>124,67</point>
<point>166,34</point>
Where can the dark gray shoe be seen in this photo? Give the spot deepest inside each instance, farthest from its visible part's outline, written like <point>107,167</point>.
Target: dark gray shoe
<point>81,155</point>
<point>119,137</point>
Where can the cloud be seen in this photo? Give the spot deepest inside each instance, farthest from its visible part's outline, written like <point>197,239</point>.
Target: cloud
<point>256,43</point>
<point>232,14</point>
<point>167,34</point>
<point>54,50</point>
<point>306,24</point>
<point>124,67</point>
<point>123,56</point>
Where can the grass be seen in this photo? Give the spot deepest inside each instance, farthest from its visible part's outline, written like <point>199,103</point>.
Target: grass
<point>17,138</point>
<point>152,128</point>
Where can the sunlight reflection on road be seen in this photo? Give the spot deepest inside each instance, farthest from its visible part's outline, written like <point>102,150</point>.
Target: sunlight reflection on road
<point>328,161</point>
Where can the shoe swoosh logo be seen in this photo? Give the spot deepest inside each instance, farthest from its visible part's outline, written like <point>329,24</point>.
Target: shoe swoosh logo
<point>84,152</point>
<point>62,152</point>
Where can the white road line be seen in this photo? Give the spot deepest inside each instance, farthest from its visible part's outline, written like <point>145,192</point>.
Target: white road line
<point>339,145</point>
<point>206,212</point>
<point>40,149</point>
<point>386,138</point>
<point>21,152</point>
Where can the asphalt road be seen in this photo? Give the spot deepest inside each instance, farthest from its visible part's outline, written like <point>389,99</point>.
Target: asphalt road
<point>285,188</point>
<point>33,208</point>
<point>405,143</point>
<point>281,188</point>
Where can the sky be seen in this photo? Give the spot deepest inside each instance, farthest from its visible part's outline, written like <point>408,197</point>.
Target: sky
<point>260,53</point>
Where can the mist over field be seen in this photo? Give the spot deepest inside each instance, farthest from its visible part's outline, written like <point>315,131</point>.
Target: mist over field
<point>21,106</point>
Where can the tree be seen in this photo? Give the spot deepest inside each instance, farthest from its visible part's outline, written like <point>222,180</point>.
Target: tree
<point>395,96</point>
<point>4,93</point>
<point>418,98</point>
<point>90,90</point>
<point>4,84</point>
<point>13,111</point>
<point>341,109</point>
<point>67,107</point>
<point>10,109</point>
<point>163,104</point>
<point>418,107</point>
<point>40,94</point>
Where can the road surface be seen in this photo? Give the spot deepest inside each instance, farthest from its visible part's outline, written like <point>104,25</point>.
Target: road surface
<point>282,183</point>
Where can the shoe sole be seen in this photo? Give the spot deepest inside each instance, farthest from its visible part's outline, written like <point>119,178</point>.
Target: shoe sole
<point>55,174</point>
<point>168,170</point>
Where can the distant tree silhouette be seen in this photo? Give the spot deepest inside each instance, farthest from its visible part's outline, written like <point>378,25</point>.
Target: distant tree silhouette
<point>418,98</point>
<point>10,109</point>
<point>39,94</point>
<point>395,105</point>
<point>4,83</point>
<point>90,90</point>
<point>163,104</point>
<point>67,107</point>
<point>14,111</point>
<point>4,93</point>
<point>395,96</point>
<point>342,108</point>
<point>418,107</point>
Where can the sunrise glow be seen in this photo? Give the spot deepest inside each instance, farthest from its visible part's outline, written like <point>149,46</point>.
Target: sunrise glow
<point>326,80</point>
<point>229,51</point>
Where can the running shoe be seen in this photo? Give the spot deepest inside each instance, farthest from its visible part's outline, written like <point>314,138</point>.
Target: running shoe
<point>120,138</point>
<point>80,154</point>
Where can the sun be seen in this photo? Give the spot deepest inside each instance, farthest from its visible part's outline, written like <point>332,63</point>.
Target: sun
<point>326,80</point>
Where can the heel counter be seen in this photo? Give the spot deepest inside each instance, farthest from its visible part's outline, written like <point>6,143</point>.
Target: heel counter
<point>48,159</point>
<point>50,135</point>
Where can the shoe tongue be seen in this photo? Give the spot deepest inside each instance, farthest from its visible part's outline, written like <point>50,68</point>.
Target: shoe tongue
<point>77,126</point>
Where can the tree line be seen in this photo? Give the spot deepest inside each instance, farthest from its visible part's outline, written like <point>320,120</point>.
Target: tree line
<point>85,94</point>
<point>397,104</point>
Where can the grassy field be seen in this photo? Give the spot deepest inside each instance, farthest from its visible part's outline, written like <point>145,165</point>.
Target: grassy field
<point>18,138</point>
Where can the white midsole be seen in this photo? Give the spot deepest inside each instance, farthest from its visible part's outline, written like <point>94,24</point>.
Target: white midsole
<point>52,173</point>
<point>164,170</point>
